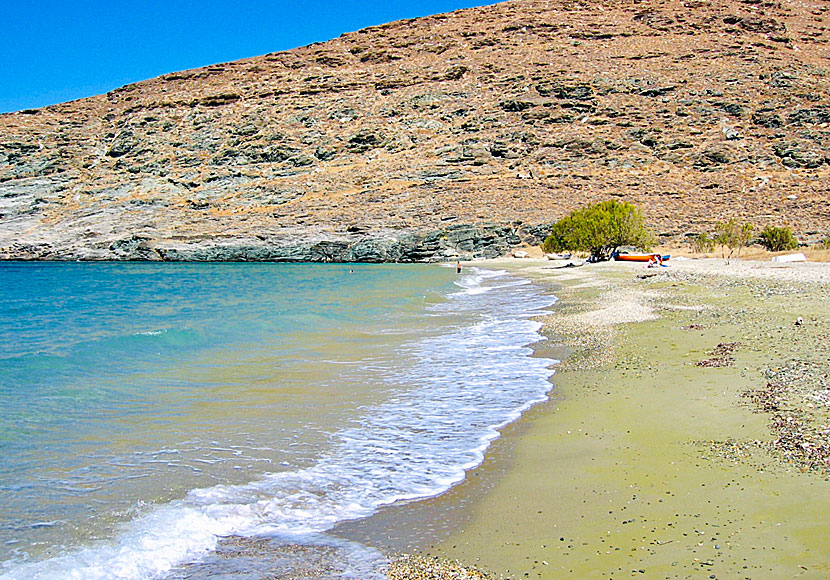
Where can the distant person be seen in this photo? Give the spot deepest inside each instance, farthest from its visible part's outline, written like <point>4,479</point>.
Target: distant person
<point>458,267</point>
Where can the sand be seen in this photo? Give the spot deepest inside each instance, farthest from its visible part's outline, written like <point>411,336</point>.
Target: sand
<point>647,464</point>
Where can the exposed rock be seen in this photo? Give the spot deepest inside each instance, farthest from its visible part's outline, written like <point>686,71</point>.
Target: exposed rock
<point>455,73</point>
<point>216,100</point>
<point>800,154</point>
<point>501,149</point>
<point>715,157</point>
<point>731,133</point>
<point>456,242</point>
<point>122,144</point>
<point>364,141</point>
<point>570,92</point>
<point>756,24</point>
<point>516,106</point>
<point>133,248</point>
<point>324,154</point>
<point>657,91</point>
<point>812,116</point>
<point>768,119</point>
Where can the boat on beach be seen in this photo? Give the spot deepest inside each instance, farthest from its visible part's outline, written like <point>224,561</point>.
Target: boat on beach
<point>558,256</point>
<point>641,257</point>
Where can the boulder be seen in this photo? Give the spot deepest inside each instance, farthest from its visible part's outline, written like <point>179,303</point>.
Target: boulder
<point>800,154</point>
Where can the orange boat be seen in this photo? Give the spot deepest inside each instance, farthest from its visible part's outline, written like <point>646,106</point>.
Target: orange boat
<point>641,257</point>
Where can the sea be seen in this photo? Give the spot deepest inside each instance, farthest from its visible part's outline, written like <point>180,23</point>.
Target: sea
<point>154,414</point>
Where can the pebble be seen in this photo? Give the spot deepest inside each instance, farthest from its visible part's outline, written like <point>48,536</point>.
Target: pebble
<point>412,567</point>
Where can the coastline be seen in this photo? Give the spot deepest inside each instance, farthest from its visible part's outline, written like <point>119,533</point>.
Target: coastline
<point>650,456</point>
<point>644,463</point>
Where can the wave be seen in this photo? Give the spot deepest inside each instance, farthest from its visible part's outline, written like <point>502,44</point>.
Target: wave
<point>462,387</point>
<point>152,332</point>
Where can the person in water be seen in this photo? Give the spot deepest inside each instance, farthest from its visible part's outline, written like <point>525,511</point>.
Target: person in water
<point>458,267</point>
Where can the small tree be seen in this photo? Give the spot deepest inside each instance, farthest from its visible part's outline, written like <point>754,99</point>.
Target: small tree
<point>777,239</point>
<point>600,230</point>
<point>732,237</point>
<point>703,243</point>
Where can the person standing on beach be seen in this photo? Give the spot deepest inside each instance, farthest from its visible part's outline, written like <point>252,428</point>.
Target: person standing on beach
<point>458,267</point>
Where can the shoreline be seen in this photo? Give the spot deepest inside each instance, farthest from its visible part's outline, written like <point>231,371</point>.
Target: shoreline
<point>645,463</point>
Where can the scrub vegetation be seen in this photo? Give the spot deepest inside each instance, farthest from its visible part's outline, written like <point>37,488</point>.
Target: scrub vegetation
<point>600,229</point>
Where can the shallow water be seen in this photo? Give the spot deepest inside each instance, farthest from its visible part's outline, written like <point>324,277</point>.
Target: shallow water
<point>151,409</point>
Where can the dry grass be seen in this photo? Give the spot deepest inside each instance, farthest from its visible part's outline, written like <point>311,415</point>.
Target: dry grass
<point>754,253</point>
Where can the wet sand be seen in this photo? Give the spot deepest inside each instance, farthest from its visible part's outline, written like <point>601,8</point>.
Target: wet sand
<point>649,462</point>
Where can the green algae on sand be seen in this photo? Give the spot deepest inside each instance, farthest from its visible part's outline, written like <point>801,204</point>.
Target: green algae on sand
<point>644,464</point>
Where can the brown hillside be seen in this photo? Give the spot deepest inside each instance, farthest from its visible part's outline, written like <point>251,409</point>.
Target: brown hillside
<point>694,110</point>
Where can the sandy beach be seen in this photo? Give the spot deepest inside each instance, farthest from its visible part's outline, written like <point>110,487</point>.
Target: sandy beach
<point>687,434</point>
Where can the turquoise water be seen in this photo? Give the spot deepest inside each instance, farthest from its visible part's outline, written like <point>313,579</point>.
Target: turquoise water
<point>151,409</point>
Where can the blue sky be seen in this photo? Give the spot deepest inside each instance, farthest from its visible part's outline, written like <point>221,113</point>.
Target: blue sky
<point>59,50</point>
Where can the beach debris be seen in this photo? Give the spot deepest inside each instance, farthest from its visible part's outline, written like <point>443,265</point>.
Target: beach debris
<point>730,450</point>
<point>797,397</point>
<point>768,399</point>
<point>720,356</point>
<point>411,567</point>
<point>799,321</point>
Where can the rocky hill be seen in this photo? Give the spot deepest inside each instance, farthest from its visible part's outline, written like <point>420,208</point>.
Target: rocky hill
<point>456,133</point>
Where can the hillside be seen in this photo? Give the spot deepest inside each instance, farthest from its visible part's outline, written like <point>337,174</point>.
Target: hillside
<point>420,138</point>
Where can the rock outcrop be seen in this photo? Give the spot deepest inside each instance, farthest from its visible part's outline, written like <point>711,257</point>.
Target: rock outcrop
<point>439,137</point>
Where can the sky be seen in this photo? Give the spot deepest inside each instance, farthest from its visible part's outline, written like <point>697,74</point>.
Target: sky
<point>52,51</point>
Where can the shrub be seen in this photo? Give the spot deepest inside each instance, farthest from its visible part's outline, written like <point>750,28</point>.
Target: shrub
<point>703,243</point>
<point>777,239</point>
<point>600,230</point>
<point>731,237</point>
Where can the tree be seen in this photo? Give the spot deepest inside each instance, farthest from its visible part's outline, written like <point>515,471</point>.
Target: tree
<point>777,239</point>
<point>731,237</point>
<point>703,243</point>
<point>600,229</point>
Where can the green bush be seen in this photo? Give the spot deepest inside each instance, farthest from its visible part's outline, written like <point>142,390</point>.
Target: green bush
<point>703,243</point>
<point>731,237</point>
<point>600,230</point>
<point>777,239</point>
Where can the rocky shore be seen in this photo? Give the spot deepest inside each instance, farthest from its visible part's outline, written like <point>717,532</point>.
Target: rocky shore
<point>457,242</point>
